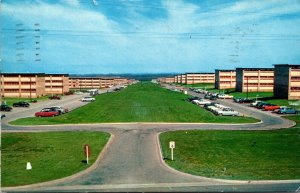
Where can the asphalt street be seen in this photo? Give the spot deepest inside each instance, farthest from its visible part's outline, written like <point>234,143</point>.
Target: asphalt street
<point>133,161</point>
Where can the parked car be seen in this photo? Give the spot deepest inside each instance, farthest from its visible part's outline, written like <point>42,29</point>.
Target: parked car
<point>47,112</point>
<point>254,103</point>
<point>210,104</point>
<point>245,100</point>
<point>193,98</point>
<point>201,102</point>
<point>271,107</point>
<point>210,97</point>
<point>54,97</point>
<point>237,99</point>
<point>21,104</point>
<point>60,110</point>
<point>78,92</point>
<point>288,110</point>
<point>262,104</point>
<point>277,110</point>
<point>225,96</point>
<point>5,108</point>
<point>227,112</point>
<point>88,99</point>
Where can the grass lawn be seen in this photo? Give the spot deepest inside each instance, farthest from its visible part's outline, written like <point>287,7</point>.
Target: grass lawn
<point>238,155</point>
<point>10,101</point>
<point>142,102</point>
<point>53,155</point>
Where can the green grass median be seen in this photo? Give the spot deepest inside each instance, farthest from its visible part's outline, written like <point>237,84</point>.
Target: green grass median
<point>53,155</point>
<point>237,155</point>
<point>143,102</point>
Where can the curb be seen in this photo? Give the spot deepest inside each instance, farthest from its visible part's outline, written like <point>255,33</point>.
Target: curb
<point>135,123</point>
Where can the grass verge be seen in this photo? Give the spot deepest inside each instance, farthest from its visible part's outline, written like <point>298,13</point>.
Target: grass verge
<point>142,102</point>
<point>10,101</point>
<point>236,155</point>
<point>53,155</point>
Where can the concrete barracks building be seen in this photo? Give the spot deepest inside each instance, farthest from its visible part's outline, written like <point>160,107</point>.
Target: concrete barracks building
<point>96,82</point>
<point>287,81</point>
<point>254,79</point>
<point>196,78</point>
<point>225,79</point>
<point>33,85</point>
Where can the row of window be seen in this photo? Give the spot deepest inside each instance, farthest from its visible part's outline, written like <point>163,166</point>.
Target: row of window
<point>54,86</point>
<point>261,84</point>
<point>18,90</point>
<point>56,81</point>
<point>295,88</point>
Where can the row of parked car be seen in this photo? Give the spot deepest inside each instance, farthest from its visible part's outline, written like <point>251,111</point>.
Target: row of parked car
<point>214,107</point>
<point>211,95</point>
<point>274,108</point>
<point>5,107</point>
<point>266,106</point>
<point>51,112</point>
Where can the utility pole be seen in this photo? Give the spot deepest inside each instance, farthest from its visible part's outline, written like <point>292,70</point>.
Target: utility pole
<point>30,87</point>
<point>247,86</point>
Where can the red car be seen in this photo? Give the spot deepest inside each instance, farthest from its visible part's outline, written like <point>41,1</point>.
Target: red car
<point>47,112</point>
<point>271,107</point>
<point>54,97</point>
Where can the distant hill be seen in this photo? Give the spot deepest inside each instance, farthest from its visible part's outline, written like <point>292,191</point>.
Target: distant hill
<point>141,77</point>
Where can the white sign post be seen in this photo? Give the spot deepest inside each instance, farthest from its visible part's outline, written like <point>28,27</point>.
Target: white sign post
<point>172,146</point>
<point>28,166</point>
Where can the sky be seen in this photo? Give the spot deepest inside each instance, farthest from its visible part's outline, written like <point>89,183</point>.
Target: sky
<point>142,36</point>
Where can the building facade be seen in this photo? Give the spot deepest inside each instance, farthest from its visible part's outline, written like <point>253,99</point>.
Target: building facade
<point>197,78</point>
<point>254,79</point>
<point>287,81</point>
<point>96,82</point>
<point>56,83</point>
<point>22,85</point>
<point>225,79</point>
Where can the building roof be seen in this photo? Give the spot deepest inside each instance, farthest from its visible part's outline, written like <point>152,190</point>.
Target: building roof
<point>255,69</point>
<point>200,73</point>
<point>15,73</point>
<point>288,65</point>
<point>57,74</point>
<point>224,70</point>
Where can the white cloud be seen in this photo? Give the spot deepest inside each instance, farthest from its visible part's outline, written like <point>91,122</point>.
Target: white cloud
<point>158,44</point>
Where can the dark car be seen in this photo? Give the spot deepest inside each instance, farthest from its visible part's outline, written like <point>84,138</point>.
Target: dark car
<point>21,104</point>
<point>5,108</point>
<point>237,99</point>
<point>193,98</point>
<point>243,100</point>
<point>210,104</point>
<point>2,116</point>
<point>210,97</point>
<point>261,105</point>
<point>56,97</point>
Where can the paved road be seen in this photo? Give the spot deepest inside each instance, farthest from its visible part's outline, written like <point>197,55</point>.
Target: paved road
<point>133,161</point>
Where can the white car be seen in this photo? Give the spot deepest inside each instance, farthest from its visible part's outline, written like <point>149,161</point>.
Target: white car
<point>225,96</point>
<point>201,102</point>
<point>254,103</point>
<point>227,112</point>
<point>61,110</point>
<point>88,99</point>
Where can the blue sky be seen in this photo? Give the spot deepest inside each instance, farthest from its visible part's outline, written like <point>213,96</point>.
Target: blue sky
<point>142,36</point>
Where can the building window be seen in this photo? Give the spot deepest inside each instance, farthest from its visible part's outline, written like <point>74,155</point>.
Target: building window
<point>295,89</point>
<point>11,90</point>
